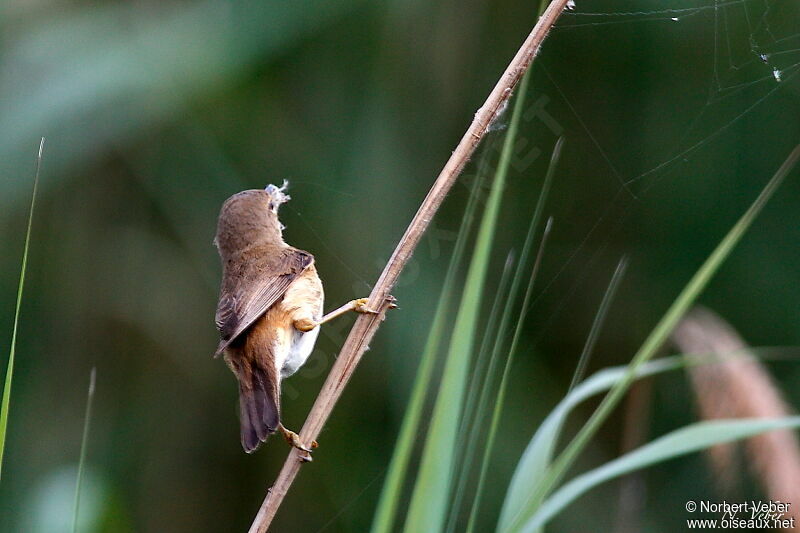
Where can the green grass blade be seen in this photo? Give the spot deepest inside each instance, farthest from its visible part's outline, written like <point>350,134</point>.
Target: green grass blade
<point>505,321</point>
<point>480,373</point>
<point>597,324</point>
<point>653,342</point>
<point>84,443</point>
<point>519,275</point>
<point>692,438</point>
<point>536,457</point>
<point>482,377</point>
<point>429,500</point>
<point>4,407</point>
<point>392,491</point>
<point>497,414</point>
<point>533,464</point>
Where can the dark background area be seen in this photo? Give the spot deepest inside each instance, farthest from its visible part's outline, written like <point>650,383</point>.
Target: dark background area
<point>156,112</point>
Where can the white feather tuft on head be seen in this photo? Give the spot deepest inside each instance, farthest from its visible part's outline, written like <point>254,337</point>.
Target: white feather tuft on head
<point>278,194</point>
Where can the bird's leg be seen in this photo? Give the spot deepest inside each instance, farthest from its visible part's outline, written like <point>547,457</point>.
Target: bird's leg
<point>294,441</point>
<point>358,305</point>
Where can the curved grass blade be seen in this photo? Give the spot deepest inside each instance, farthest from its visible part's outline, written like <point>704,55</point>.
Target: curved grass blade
<point>653,342</point>
<point>4,407</point>
<point>539,451</point>
<point>692,438</point>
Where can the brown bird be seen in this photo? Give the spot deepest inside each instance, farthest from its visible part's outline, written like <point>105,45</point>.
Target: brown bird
<point>269,311</point>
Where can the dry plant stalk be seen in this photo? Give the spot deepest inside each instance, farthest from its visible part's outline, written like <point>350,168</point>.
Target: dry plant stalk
<point>739,386</point>
<point>366,325</point>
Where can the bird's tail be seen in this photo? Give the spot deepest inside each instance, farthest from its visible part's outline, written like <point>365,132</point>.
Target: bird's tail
<point>259,409</point>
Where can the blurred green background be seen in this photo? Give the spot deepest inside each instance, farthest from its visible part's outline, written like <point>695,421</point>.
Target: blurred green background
<point>155,112</point>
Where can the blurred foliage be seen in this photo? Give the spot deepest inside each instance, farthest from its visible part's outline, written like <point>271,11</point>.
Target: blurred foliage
<point>155,112</point>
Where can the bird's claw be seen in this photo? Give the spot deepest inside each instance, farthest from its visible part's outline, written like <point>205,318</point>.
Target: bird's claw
<point>294,441</point>
<point>305,452</point>
<point>360,306</point>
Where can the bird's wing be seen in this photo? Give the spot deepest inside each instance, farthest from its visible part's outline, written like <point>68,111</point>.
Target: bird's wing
<point>259,283</point>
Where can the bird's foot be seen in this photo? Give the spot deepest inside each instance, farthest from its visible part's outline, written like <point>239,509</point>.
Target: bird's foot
<point>360,306</point>
<point>294,441</point>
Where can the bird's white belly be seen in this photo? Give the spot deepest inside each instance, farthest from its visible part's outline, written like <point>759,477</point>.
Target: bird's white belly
<point>300,347</point>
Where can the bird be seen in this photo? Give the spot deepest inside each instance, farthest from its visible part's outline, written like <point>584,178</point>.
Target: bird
<point>269,311</point>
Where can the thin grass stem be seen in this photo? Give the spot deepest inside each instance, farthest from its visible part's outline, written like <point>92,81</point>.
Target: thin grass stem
<point>597,324</point>
<point>84,445</point>
<point>501,392</point>
<point>6,403</point>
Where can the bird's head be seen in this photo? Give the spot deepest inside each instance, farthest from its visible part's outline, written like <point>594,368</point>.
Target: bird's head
<point>251,217</point>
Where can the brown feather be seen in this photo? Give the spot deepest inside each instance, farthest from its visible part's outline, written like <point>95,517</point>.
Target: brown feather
<point>252,360</point>
<point>252,281</point>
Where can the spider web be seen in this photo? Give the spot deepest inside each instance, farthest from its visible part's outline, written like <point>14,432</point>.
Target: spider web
<point>742,74</point>
<point>753,69</point>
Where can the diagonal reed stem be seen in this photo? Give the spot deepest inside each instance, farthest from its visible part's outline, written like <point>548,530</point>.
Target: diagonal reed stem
<point>366,325</point>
